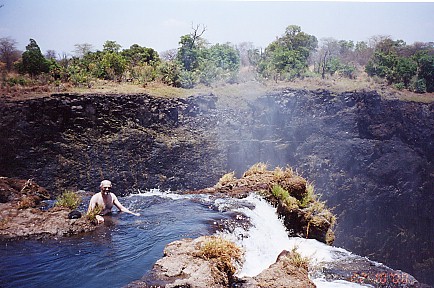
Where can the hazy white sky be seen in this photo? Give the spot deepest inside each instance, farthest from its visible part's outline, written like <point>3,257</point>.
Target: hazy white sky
<point>59,24</point>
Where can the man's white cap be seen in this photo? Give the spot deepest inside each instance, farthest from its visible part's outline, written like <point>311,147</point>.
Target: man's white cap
<point>105,183</point>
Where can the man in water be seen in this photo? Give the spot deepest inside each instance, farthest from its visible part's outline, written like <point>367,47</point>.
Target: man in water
<point>105,199</point>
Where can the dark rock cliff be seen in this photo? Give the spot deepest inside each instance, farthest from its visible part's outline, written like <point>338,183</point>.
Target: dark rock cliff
<point>137,141</point>
<point>371,159</point>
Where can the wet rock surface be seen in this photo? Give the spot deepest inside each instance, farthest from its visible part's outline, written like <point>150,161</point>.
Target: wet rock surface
<point>72,141</point>
<point>363,271</point>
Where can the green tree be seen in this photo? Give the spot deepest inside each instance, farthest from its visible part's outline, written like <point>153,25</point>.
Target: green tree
<point>405,70</point>
<point>136,55</point>
<point>426,70</point>
<point>218,62</point>
<point>113,65</point>
<point>111,47</point>
<point>286,57</point>
<point>225,57</point>
<point>382,65</point>
<point>190,46</point>
<point>170,72</point>
<point>411,67</point>
<point>33,62</point>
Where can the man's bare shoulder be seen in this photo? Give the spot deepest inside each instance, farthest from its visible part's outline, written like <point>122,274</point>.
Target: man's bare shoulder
<point>95,196</point>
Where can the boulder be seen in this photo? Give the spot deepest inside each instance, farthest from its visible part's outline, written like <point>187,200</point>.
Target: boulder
<point>21,215</point>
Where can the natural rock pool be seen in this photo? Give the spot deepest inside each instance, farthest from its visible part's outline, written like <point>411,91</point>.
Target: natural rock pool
<point>112,256</point>
<point>125,248</point>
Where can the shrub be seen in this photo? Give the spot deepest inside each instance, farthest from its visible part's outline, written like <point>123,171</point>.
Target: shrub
<point>284,196</point>
<point>399,86</point>
<point>297,260</point>
<point>418,85</point>
<point>309,197</point>
<point>20,80</point>
<point>91,215</point>
<point>69,200</point>
<point>223,251</point>
<point>187,79</point>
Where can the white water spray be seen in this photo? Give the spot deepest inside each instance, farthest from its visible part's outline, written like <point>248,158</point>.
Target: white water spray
<point>267,237</point>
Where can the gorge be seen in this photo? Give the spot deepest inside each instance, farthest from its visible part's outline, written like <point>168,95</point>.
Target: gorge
<point>371,159</point>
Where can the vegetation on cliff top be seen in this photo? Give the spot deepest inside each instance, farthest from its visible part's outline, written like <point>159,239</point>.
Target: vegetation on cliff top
<point>380,63</point>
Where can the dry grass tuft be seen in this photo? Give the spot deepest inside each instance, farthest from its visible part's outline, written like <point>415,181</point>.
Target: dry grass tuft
<point>297,260</point>
<point>258,168</point>
<point>223,251</point>
<point>28,201</point>
<point>226,179</point>
<point>279,173</point>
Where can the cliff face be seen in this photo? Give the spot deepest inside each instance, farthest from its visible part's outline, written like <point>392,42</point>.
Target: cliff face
<point>370,159</point>
<point>137,141</point>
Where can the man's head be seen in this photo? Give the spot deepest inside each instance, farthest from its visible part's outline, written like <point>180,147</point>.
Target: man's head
<point>105,186</point>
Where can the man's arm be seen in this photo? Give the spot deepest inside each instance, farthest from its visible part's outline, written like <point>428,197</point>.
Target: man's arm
<point>122,207</point>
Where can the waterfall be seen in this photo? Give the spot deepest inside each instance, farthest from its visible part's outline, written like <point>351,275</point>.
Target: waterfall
<point>267,237</point>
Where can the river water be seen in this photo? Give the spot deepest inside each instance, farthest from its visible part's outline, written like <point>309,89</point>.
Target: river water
<point>126,246</point>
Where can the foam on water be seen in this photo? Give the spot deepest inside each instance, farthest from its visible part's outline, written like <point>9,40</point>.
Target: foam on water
<point>163,194</point>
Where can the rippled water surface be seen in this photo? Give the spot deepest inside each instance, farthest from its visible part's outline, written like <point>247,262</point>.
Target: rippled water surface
<point>126,246</point>
<point>121,251</point>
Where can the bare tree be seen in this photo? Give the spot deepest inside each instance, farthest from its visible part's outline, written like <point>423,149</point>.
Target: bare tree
<point>50,54</point>
<point>376,39</point>
<point>8,53</point>
<point>169,55</point>
<point>246,49</point>
<point>329,49</point>
<point>196,34</point>
<point>82,49</point>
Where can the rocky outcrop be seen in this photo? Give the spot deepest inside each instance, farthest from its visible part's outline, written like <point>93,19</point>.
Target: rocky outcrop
<point>182,266</point>
<point>287,272</point>
<point>21,215</point>
<point>23,193</point>
<point>302,213</point>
